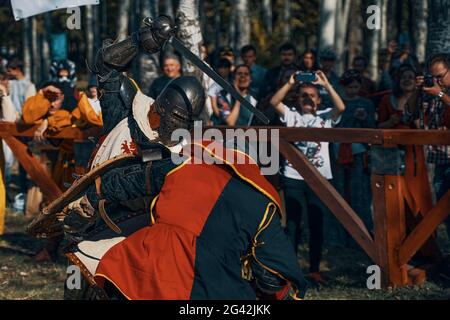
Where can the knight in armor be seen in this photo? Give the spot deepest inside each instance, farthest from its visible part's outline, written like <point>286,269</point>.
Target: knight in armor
<point>155,229</point>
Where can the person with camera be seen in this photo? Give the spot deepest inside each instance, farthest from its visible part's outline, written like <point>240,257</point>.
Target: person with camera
<point>393,114</point>
<point>430,106</point>
<point>299,197</point>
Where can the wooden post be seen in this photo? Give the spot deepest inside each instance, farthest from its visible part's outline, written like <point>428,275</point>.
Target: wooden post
<point>33,167</point>
<point>389,228</point>
<point>330,197</point>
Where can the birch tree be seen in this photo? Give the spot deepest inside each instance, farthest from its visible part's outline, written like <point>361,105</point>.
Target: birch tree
<point>123,19</point>
<point>287,20</point>
<point>267,15</point>
<point>342,12</point>
<point>374,47</point>
<point>327,23</point>
<point>232,25</point>
<point>243,21</point>
<point>189,32</point>
<point>45,47</point>
<point>421,13</point>
<point>148,64</point>
<point>26,48</point>
<point>89,34</point>
<point>35,70</point>
<point>384,24</point>
<point>217,24</point>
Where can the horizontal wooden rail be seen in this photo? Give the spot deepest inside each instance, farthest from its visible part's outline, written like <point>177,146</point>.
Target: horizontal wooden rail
<point>24,130</point>
<point>372,136</point>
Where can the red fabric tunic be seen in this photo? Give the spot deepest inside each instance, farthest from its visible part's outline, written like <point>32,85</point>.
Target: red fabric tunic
<point>158,261</point>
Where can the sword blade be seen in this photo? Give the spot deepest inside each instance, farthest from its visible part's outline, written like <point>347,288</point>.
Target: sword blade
<point>178,45</point>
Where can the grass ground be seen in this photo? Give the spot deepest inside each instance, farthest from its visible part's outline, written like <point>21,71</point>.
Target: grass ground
<point>344,270</point>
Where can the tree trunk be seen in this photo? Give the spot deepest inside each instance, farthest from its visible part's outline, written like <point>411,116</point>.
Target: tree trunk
<point>232,25</point>
<point>26,48</point>
<point>421,9</point>
<point>267,15</point>
<point>399,17</point>
<point>122,25</point>
<point>243,21</point>
<point>168,7</point>
<point>45,47</point>
<point>391,25</point>
<point>354,32</point>
<point>374,46</point>
<point>104,20</point>
<point>89,34</point>
<point>36,65</point>
<point>384,24</point>
<point>189,32</point>
<point>154,8</point>
<point>203,20</point>
<point>287,20</point>
<point>217,24</point>
<point>96,27</point>
<point>327,23</point>
<point>148,64</point>
<point>438,40</point>
<point>342,11</point>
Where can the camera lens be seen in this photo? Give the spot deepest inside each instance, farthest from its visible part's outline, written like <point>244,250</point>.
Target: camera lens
<point>428,81</point>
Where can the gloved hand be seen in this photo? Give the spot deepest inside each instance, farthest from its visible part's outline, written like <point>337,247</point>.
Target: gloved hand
<point>155,33</point>
<point>77,217</point>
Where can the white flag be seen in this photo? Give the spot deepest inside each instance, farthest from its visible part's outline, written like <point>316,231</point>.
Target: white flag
<point>26,8</point>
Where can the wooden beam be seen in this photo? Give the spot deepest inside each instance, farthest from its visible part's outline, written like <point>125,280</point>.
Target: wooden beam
<point>416,137</point>
<point>379,225</point>
<point>32,166</point>
<point>424,229</point>
<point>23,130</point>
<point>373,136</point>
<point>330,197</point>
<point>389,228</point>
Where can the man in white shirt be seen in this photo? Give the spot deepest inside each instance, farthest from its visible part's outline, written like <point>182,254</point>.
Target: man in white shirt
<point>298,195</point>
<point>92,91</point>
<point>20,88</point>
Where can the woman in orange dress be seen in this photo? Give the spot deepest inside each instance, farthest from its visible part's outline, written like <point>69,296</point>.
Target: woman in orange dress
<point>392,115</point>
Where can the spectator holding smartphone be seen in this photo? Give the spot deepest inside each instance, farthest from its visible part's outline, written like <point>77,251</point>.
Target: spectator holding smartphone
<point>299,197</point>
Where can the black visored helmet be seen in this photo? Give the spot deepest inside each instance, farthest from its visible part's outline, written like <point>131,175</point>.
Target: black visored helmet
<point>179,104</point>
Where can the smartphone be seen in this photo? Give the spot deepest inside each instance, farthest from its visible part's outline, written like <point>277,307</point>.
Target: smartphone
<point>306,76</point>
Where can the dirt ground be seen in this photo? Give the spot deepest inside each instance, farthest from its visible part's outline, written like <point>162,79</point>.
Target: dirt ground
<point>344,269</point>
